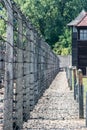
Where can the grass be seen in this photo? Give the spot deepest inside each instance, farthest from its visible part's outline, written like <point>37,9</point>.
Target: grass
<point>85,87</point>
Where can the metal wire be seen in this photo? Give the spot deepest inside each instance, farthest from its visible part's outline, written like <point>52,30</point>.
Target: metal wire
<point>37,63</point>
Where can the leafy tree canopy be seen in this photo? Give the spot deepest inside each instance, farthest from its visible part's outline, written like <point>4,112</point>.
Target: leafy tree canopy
<point>50,17</point>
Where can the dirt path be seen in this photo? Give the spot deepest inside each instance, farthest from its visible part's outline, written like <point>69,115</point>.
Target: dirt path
<point>56,110</point>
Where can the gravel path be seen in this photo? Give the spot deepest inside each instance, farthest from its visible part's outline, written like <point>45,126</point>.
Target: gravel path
<point>56,110</point>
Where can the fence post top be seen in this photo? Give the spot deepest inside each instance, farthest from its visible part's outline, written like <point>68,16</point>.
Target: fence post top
<point>80,77</point>
<point>74,67</point>
<point>70,67</point>
<point>79,71</point>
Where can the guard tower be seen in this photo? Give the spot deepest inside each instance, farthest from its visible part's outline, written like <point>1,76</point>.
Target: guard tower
<point>79,41</point>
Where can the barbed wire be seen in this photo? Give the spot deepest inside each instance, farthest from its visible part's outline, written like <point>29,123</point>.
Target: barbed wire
<point>15,48</point>
<point>37,63</point>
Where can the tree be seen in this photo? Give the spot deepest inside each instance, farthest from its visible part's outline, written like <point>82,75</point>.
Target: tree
<point>50,17</point>
<point>3,18</point>
<point>63,46</point>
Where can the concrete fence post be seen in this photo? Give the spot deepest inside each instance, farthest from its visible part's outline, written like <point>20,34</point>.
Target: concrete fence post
<point>70,77</point>
<point>75,81</point>
<point>27,76</point>
<point>67,74</point>
<point>8,93</point>
<point>36,67</point>
<point>81,99</point>
<point>42,69</point>
<point>39,67</point>
<point>31,77</point>
<point>19,75</point>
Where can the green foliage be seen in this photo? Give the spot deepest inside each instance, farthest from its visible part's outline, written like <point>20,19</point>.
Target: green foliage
<point>2,21</point>
<point>50,17</point>
<point>63,46</point>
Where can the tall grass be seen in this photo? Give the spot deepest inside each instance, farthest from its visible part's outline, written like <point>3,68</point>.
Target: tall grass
<point>85,87</point>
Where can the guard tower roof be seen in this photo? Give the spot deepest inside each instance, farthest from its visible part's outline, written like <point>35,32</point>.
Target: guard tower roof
<point>78,19</point>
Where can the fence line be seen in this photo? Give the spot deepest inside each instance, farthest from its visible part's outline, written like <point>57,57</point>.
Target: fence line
<point>78,88</point>
<point>27,66</point>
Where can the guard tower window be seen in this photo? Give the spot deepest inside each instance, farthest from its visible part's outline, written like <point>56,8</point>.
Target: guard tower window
<point>83,34</point>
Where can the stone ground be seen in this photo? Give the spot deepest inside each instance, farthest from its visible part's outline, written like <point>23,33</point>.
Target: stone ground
<point>56,110</point>
<point>1,108</point>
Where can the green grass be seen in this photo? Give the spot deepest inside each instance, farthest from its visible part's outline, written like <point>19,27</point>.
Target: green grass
<point>85,87</point>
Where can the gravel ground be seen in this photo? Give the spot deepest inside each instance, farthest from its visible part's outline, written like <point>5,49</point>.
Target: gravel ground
<point>56,110</point>
<point>1,108</point>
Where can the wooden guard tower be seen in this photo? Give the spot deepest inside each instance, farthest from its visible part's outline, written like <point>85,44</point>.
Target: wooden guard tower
<point>79,41</point>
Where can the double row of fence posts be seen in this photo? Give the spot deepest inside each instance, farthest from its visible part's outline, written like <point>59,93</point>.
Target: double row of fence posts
<point>75,82</point>
<point>29,66</point>
<point>78,90</point>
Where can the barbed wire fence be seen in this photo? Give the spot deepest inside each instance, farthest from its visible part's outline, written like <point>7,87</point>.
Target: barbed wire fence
<point>27,66</point>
